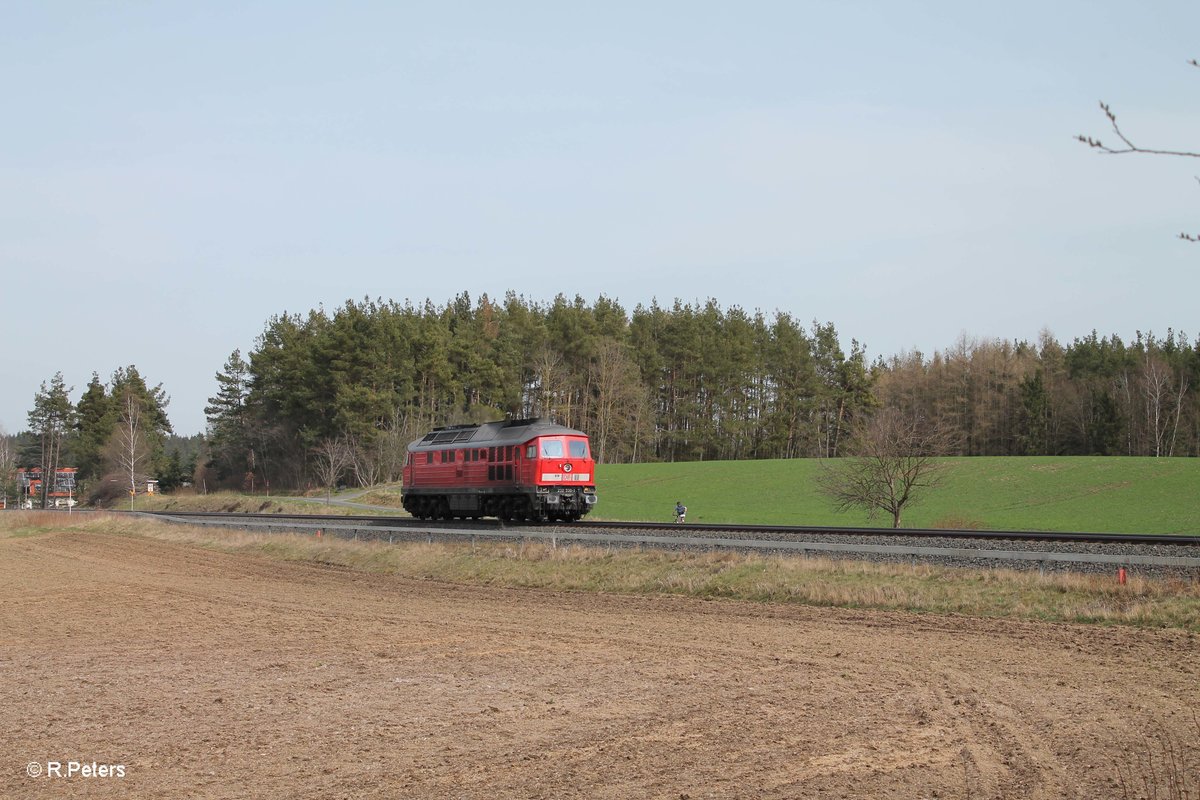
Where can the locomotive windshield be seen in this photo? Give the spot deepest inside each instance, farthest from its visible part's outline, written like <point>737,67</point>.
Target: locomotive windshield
<point>557,448</point>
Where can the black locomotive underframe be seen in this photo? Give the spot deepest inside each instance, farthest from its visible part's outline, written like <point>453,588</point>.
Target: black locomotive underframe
<point>537,504</point>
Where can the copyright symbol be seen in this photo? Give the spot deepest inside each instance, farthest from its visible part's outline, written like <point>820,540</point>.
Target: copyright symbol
<point>33,769</point>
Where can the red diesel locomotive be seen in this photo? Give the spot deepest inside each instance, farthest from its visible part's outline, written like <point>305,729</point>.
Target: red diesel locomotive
<point>524,469</point>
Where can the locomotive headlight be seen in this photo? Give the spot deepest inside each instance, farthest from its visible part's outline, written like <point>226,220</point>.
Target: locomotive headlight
<point>567,467</point>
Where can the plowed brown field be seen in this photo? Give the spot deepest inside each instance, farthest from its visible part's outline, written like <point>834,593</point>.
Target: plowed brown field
<point>211,675</point>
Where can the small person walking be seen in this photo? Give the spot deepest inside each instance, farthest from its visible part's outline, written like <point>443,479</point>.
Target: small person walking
<point>680,511</point>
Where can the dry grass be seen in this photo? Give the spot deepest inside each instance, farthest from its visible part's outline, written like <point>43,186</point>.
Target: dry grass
<point>255,504</point>
<point>1162,765</point>
<point>1142,601</point>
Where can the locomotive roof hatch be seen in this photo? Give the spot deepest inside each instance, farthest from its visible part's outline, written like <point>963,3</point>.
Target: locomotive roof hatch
<point>513,431</point>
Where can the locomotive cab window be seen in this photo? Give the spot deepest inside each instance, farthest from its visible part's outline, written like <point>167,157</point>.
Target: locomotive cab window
<point>552,448</point>
<point>531,451</point>
<point>578,448</point>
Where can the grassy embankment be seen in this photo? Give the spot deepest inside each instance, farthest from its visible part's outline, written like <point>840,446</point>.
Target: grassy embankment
<point>921,589</point>
<point>1119,495</point>
<point>380,499</point>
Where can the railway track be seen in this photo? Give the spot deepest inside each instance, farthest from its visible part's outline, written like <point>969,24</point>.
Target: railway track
<point>1040,550</point>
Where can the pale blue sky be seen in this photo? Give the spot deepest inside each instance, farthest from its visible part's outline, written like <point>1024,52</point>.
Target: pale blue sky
<point>173,174</point>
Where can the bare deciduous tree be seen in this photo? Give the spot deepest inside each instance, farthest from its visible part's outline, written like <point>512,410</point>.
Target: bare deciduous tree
<point>1127,146</point>
<point>893,461</point>
<point>366,459</point>
<point>128,450</point>
<point>331,458</point>
<point>553,394</point>
<point>1163,394</point>
<point>8,462</point>
<point>619,403</point>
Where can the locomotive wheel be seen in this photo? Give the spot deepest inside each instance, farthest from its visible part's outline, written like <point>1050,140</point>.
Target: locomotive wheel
<point>429,508</point>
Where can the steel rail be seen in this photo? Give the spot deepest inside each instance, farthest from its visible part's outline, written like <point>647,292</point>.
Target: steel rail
<point>348,527</point>
<point>686,530</point>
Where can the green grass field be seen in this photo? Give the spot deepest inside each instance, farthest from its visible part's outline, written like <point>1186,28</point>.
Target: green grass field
<point>1118,495</point>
